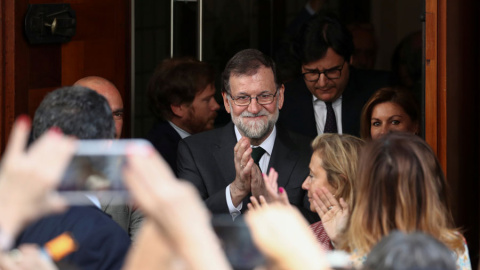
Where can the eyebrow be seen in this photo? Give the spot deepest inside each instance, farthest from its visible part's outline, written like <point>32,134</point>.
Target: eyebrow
<point>119,110</point>
<point>316,69</point>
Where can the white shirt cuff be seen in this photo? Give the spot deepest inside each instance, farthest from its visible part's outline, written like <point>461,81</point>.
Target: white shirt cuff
<point>234,211</point>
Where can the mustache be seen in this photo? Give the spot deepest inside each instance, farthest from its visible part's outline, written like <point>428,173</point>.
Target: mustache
<point>249,114</point>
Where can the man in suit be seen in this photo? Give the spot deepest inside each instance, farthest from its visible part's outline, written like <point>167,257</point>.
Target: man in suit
<point>225,164</point>
<point>127,216</point>
<point>102,244</point>
<point>182,95</point>
<point>330,94</point>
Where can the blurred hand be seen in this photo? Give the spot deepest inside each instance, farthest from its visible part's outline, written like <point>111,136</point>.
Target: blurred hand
<point>334,214</point>
<point>175,207</point>
<point>28,178</point>
<point>284,237</point>
<point>26,257</point>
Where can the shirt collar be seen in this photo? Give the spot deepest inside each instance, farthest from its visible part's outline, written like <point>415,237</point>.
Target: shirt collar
<point>183,134</point>
<point>337,101</point>
<point>267,145</point>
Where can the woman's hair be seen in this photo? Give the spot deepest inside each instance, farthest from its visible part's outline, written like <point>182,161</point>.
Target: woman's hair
<point>339,154</point>
<point>398,95</point>
<point>400,186</point>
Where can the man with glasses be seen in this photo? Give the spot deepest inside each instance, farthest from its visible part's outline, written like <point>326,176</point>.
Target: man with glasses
<point>226,164</point>
<point>329,96</point>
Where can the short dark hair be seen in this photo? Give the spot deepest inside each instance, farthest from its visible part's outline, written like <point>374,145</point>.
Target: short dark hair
<point>247,62</point>
<point>323,32</point>
<point>77,111</point>
<point>416,250</point>
<point>176,81</point>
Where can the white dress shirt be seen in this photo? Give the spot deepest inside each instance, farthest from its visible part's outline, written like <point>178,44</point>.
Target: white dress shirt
<point>183,134</point>
<point>320,109</point>
<point>267,145</point>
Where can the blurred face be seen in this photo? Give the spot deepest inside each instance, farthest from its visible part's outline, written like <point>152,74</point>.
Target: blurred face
<point>389,116</point>
<point>254,121</point>
<point>202,112</point>
<point>327,89</point>
<point>316,179</point>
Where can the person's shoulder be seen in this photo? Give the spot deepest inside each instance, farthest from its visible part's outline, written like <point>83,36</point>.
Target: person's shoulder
<point>299,141</point>
<point>209,136</point>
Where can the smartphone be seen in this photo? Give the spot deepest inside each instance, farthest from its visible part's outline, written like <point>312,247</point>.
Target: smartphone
<point>237,242</point>
<point>96,171</point>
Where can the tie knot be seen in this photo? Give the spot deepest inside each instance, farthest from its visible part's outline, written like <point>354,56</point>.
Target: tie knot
<point>329,104</point>
<point>257,153</point>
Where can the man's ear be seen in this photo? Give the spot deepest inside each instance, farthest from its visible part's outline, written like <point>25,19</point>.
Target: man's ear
<point>281,92</point>
<point>225,101</point>
<point>179,110</point>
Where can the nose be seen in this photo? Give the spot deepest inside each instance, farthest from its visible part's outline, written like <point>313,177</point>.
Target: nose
<point>305,184</point>
<point>384,130</point>
<point>214,105</point>
<point>254,107</point>
<point>322,80</point>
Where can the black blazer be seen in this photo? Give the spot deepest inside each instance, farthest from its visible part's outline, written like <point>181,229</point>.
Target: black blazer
<point>102,243</point>
<point>165,139</point>
<point>298,115</point>
<point>206,160</point>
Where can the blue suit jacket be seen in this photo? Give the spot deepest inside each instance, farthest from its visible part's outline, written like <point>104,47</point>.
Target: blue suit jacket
<point>102,243</point>
<point>298,115</point>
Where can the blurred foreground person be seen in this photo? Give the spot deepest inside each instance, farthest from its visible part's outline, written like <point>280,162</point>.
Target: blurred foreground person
<point>400,251</point>
<point>28,179</point>
<point>102,243</point>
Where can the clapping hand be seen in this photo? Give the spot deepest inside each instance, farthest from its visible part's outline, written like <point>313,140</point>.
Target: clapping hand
<point>334,214</point>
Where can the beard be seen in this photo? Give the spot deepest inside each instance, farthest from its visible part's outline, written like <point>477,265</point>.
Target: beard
<point>197,124</point>
<point>257,129</point>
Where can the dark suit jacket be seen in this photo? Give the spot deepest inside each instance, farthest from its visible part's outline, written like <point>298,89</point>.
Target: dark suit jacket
<point>102,244</point>
<point>206,160</point>
<point>165,139</point>
<point>298,115</point>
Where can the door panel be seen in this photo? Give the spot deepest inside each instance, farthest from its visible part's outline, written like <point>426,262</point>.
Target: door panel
<point>100,47</point>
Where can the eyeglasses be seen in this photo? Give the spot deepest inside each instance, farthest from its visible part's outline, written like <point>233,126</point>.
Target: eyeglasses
<point>262,99</point>
<point>333,73</point>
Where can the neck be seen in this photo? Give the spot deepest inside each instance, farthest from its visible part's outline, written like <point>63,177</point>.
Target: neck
<point>180,124</point>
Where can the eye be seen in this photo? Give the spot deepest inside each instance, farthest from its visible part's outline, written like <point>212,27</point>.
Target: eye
<point>117,115</point>
<point>395,122</point>
<point>376,124</point>
<point>243,98</point>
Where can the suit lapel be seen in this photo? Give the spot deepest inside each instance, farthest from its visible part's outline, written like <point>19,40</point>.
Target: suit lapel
<point>223,152</point>
<point>283,157</point>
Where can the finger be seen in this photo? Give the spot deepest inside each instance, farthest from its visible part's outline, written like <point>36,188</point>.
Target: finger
<point>18,137</point>
<point>283,196</point>
<point>246,172</point>
<point>246,156</point>
<point>263,201</point>
<point>321,204</point>
<point>57,203</point>
<point>318,209</point>
<point>254,202</point>
<point>330,200</point>
<point>344,205</point>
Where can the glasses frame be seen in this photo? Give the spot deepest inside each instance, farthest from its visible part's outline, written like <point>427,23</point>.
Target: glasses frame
<point>324,73</point>
<point>250,100</point>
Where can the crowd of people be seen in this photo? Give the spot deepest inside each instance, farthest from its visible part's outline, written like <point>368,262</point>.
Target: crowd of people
<point>290,167</point>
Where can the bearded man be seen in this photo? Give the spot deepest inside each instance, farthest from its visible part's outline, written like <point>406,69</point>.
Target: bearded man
<point>226,164</point>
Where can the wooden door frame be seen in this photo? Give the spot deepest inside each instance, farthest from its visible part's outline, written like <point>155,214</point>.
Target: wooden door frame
<point>436,78</point>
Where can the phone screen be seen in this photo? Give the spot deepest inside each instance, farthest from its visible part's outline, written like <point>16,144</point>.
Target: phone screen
<point>97,169</point>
